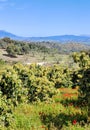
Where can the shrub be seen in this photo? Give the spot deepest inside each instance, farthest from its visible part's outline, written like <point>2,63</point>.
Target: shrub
<point>40,89</point>
<point>6,113</point>
<point>61,77</point>
<point>10,85</point>
<point>83,75</point>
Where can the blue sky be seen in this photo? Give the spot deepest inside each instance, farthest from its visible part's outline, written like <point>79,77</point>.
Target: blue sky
<point>45,17</point>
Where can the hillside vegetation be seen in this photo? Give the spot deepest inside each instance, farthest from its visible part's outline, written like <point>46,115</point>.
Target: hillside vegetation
<point>52,97</point>
<point>35,52</point>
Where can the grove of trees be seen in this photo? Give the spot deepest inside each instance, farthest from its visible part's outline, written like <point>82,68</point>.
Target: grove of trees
<point>35,84</point>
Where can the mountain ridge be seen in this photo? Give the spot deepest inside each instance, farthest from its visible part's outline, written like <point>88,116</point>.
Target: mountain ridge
<point>57,38</point>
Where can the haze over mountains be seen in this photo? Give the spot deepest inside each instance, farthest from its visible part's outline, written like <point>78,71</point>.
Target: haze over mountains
<point>58,38</point>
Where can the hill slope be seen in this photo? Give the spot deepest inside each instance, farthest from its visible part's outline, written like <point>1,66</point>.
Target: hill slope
<point>10,35</point>
<point>60,38</point>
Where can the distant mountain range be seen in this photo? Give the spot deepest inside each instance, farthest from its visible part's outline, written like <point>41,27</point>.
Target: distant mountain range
<point>59,38</point>
<point>10,35</point>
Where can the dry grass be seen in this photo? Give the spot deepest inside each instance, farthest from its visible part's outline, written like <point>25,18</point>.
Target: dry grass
<point>36,57</point>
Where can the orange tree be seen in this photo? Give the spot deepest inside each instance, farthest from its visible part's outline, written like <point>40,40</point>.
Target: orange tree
<point>83,77</point>
<point>11,86</point>
<point>6,112</point>
<point>60,76</point>
<point>35,82</point>
<point>40,89</point>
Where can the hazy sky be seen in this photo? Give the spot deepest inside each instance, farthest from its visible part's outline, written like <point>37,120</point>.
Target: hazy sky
<point>45,17</point>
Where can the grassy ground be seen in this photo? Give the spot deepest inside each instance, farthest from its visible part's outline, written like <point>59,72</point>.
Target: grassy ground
<point>63,113</point>
<point>37,57</point>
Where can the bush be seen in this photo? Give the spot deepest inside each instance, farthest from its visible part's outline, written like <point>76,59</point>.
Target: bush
<point>6,113</point>
<point>83,77</point>
<point>61,77</point>
<point>10,85</point>
<point>40,89</point>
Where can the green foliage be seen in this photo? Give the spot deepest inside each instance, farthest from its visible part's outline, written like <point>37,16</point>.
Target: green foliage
<point>2,62</point>
<point>83,77</point>
<point>11,50</point>
<point>10,85</point>
<point>3,44</point>
<point>7,40</point>
<point>35,81</point>
<point>14,48</point>
<point>6,113</point>
<point>38,84</point>
<point>40,89</point>
<point>81,58</point>
<point>60,76</point>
